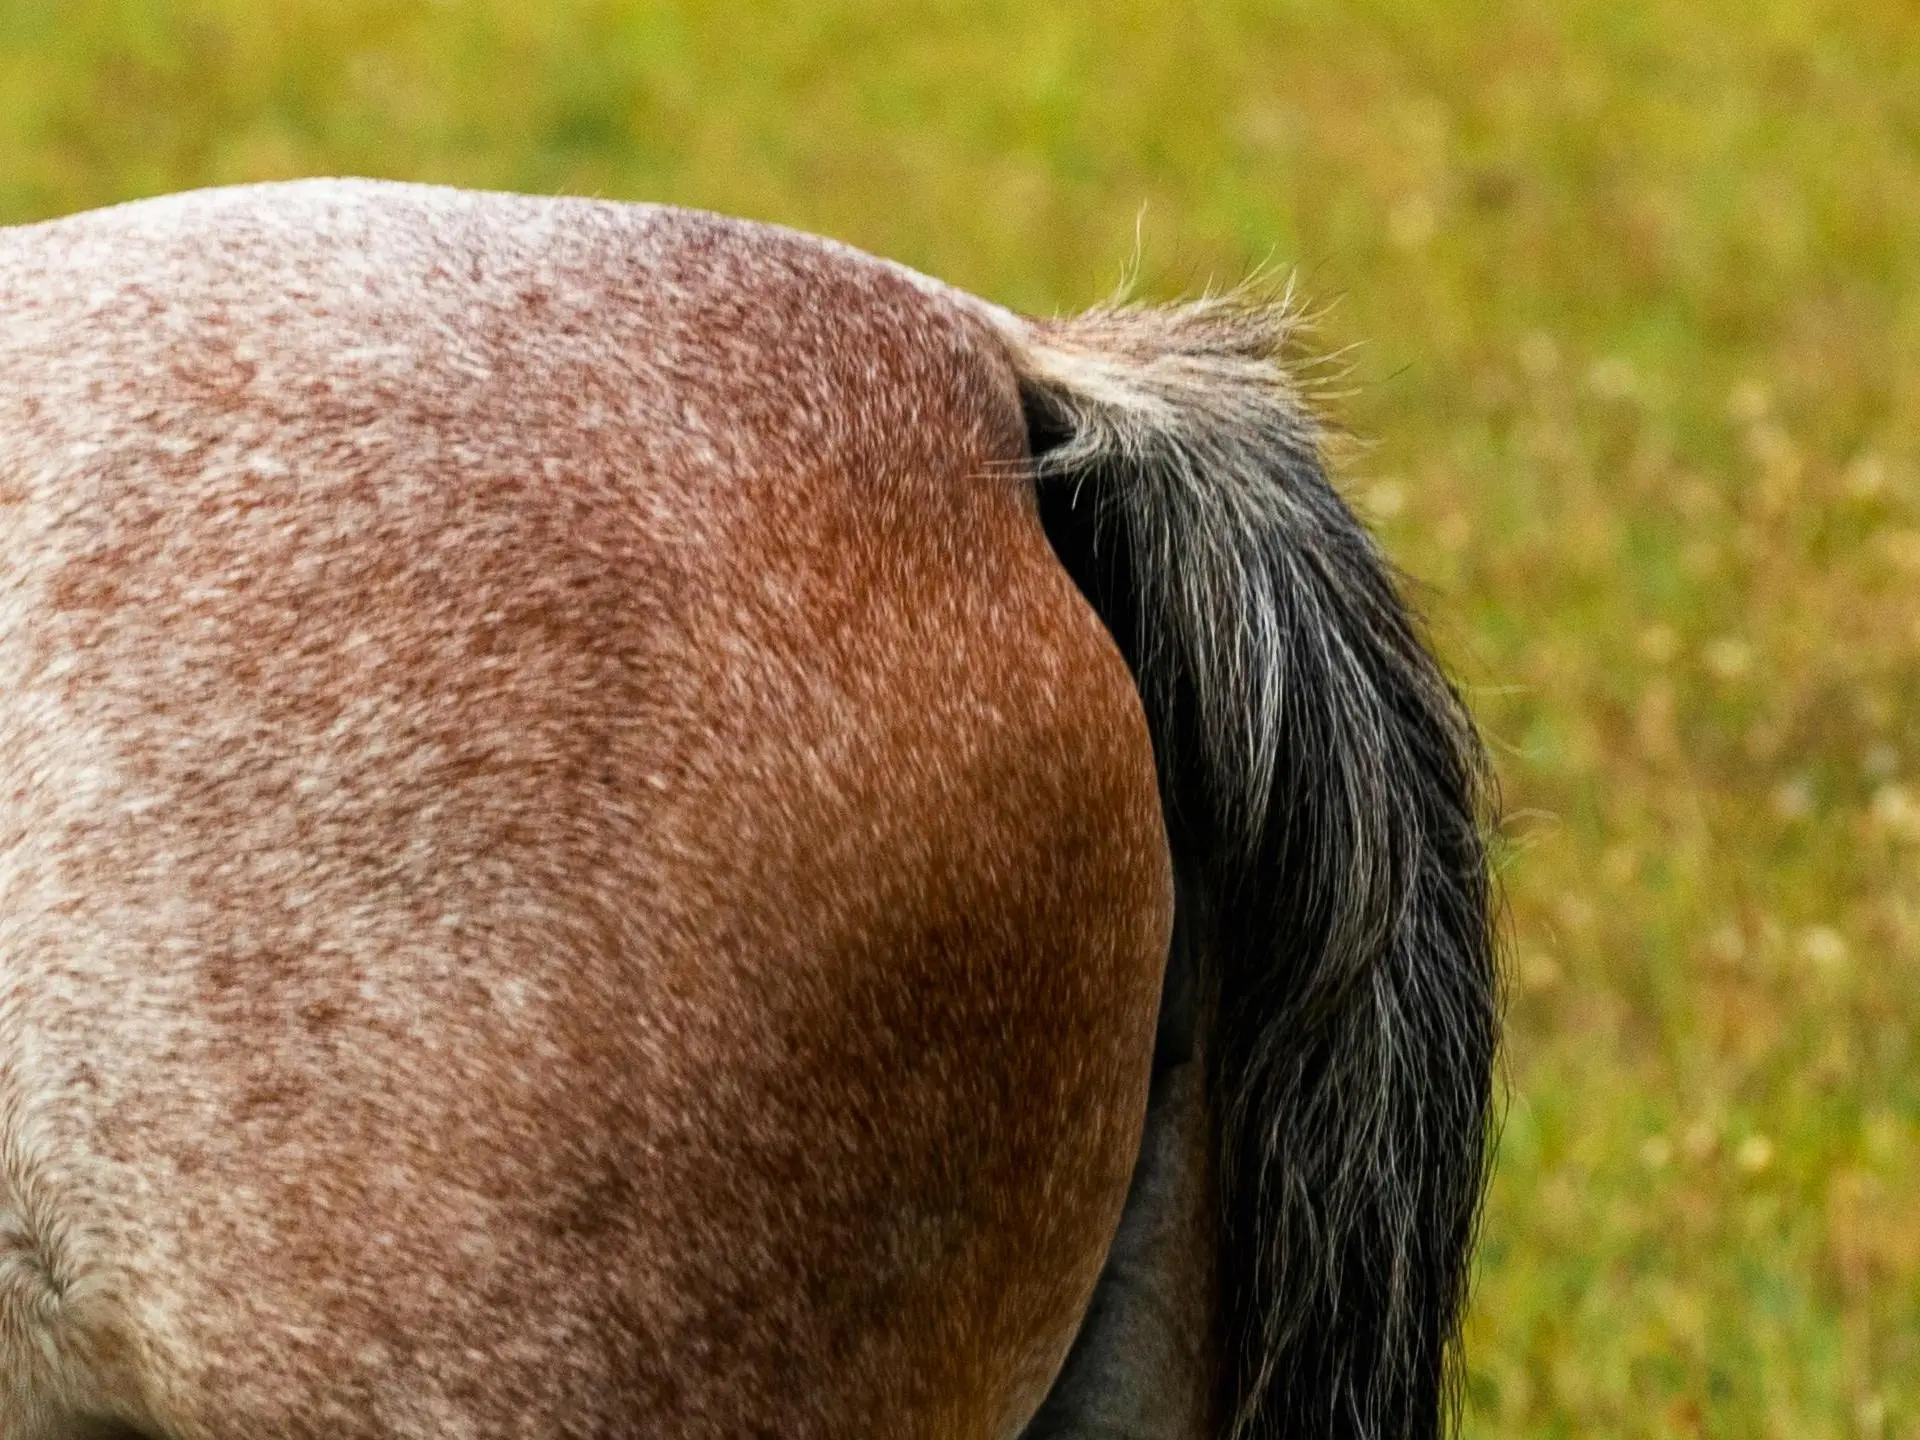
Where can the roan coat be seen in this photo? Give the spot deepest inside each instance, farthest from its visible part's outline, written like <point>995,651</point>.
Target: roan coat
<point>582,851</point>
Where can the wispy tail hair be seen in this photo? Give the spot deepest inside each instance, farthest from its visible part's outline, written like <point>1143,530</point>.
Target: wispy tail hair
<point>1326,802</point>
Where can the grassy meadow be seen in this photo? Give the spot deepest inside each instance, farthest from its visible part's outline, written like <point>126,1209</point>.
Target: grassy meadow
<point>1629,296</point>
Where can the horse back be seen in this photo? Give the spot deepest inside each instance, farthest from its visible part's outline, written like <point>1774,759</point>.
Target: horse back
<point>570,862</point>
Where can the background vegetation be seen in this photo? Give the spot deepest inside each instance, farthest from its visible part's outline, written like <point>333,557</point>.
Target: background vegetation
<point>1637,291</point>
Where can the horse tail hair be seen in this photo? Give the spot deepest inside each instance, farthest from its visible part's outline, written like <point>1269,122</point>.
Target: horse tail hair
<point>1327,801</point>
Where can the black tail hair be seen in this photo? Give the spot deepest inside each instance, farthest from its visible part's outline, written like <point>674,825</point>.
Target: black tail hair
<point>1326,799</point>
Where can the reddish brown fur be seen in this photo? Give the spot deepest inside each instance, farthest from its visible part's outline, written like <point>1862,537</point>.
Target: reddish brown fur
<point>570,863</point>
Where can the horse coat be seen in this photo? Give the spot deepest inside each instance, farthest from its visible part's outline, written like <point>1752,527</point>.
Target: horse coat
<point>621,823</point>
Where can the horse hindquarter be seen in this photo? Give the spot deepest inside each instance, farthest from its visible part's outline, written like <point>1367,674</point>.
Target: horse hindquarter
<point>569,861</point>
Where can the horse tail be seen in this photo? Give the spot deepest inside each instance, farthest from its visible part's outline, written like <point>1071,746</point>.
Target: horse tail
<point>1326,797</point>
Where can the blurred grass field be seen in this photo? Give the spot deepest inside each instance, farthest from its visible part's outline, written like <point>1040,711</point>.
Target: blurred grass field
<point>1634,296</point>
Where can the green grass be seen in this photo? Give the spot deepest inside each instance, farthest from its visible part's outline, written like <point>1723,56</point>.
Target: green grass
<point>1637,291</point>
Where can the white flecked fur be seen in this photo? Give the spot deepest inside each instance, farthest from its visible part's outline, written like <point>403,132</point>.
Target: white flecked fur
<point>488,687</point>
<point>573,862</point>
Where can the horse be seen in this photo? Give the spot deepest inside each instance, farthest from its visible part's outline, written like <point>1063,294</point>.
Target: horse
<point>616,822</point>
